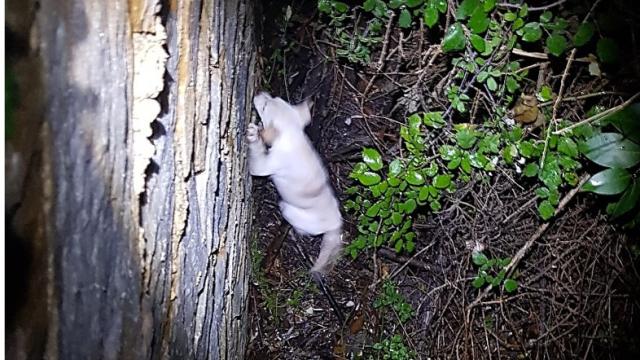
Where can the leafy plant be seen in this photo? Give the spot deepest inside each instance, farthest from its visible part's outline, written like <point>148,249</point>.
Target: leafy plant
<point>492,272</point>
<point>393,349</point>
<point>619,153</point>
<point>391,297</point>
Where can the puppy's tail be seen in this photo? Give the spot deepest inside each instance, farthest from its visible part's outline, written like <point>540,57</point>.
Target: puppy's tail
<point>329,252</point>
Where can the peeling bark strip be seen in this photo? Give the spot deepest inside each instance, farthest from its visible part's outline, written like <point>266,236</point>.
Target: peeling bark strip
<point>149,194</point>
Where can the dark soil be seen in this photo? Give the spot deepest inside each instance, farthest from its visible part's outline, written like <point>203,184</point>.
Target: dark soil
<point>579,282</point>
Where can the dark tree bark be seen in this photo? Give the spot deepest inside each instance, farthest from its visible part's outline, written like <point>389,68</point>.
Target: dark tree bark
<point>144,205</point>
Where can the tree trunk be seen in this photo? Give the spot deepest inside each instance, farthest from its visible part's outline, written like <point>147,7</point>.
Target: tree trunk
<point>144,206</point>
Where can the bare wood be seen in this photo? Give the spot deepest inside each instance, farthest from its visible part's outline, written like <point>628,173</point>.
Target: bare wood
<point>147,206</point>
<point>599,115</point>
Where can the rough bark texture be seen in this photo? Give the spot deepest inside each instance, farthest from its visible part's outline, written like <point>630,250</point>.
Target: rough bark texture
<point>145,216</point>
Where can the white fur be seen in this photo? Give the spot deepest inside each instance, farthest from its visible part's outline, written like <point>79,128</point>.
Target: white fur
<point>308,202</point>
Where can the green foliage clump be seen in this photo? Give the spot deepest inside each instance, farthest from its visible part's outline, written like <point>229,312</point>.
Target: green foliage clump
<point>492,272</point>
<point>619,152</point>
<point>393,348</point>
<point>391,297</point>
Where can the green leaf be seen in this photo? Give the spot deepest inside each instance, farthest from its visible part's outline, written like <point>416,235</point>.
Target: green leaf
<point>509,152</point>
<point>478,43</point>
<point>396,218</point>
<point>546,16</point>
<point>612,150</point>
<point>374,209</point>
<point>424,193</point>
<point>568,147</point>
<point>519,23</point>
<point>442,181</point>
<point>546,210</point>
<point>526,149</point>
<point>488,5</point>
<point>454,164</point>
<point>466,8</point>
<point>431,16</point>
<point>466,138</point>
<point>607,50</point>
<point>542,192</point>
<point>340,6</point>
<point>394,4</point>
<point>372,158</point>
<point>531,32</point>
<point>531,170</point>
<point>465,164</point>
<point>524,10</point>
<point>454,39</point>
<point>414,177</point>
<point>512,84</point>
<point>627,202</point>
<point>584,34</point>
<point>325,6</point>
<point>556,44</point>
<point>409,206</point>
<point>395,168</point>
<point>545,93</point>
<point>369,178</point>
<point>479,21</point>
<point>405,19</point>
<point>478,282</point>
<point>510,285</point>
<point>433,119</point>
<point>414,3</point>
<point>509,16</point>
<point>627,121</point>
<point>491,84</point>
<point>409,246</point>
<point>608,182</point>
<point>398,245</point>
<point>483,76</point>
<point>368,5</point>
<point>479,258</point>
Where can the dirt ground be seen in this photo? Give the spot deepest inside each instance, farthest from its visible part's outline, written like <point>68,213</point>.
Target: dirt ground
<point>578,294</point>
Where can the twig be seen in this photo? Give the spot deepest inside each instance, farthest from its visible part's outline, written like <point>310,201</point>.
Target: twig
<point>526,205</point>
<point>598,116</point>
<point>580,97</point>
<point>561,91</point>
<point>383,54</point>
<point>542,56</point>
<point>398,270</point>
<point>537,8</point>
<point>525,248</point>
<point>554,118</point>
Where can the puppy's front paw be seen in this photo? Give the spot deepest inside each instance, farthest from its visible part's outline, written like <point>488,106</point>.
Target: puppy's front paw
<point>253,133</point>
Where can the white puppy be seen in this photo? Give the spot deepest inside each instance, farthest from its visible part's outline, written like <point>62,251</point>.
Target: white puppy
<point>308,202</point>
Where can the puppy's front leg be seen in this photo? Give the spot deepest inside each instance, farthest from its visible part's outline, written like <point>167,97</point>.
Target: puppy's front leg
<point>259,160</point>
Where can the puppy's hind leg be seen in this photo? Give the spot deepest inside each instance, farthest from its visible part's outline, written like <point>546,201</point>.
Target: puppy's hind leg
<point>329,252</point>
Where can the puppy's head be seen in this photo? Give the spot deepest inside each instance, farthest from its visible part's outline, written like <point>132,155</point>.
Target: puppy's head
<point>280,115</point>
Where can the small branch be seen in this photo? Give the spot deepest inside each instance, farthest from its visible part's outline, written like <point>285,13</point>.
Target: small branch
<point>563,203</point>
<point>526,205</point>
<point>537,8</point>
<point>554,118</point>
<point>542,56</point>
<point>580,97</point>
<point>598,116</point>
<point>561,91</point>
<point>525,248</point>
<point>398,270</point>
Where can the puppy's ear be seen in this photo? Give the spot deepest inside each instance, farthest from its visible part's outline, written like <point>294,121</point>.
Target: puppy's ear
<point>304,109</point>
